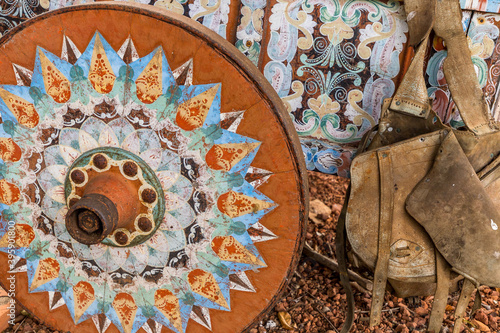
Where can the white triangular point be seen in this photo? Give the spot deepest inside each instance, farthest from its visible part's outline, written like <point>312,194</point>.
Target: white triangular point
<point>201,315</point>
<point>239,281</point>
<point>67,46</point>
<point>128,45</point>
<point>16,267</point>
<point>152,326</point>
<point>259,233</point>
<point>101,322</point>
<point>231,120</point>
<point>20,72</point>
<point>256,176</point>
<point>55,300</point>
<point>187,69</point>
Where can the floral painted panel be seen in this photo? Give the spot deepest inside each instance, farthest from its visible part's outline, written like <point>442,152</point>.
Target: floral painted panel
<point>333,63</point>
<point>490,6</point>
<point>13,12</point>
<point>66,113</point>
<point>250,29</point>
<point>211,13</point>
<point>483,40</point>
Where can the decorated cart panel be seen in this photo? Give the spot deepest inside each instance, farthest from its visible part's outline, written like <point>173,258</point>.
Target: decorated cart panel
<point>331,62</point>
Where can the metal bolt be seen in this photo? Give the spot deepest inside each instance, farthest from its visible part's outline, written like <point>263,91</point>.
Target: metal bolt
<point>148,195</point>
<point>145,224</point>
<point>77,176</point>
<point>130,168</point>
<point>121,238</point>
<point>100,161</point>
<point>89,221</point>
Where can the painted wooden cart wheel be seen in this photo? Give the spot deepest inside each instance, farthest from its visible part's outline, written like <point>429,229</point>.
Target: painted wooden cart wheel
<point>150,178</point>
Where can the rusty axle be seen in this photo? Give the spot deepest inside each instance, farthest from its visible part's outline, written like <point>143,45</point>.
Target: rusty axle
<point>92,218</point>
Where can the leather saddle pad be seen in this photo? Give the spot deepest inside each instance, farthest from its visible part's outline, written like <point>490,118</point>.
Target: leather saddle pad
<point>459,215</point>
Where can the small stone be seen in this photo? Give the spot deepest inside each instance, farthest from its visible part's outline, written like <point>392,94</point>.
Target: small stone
<point>318,209</point>
<point>482,327</point>
<point>271,324</point>
<point>493,323</point>
<point>336,208</point>
<point>420,321</point>
<point>412,325</point>
<point>280,307</point>
<point>421,311</point>
<point>400,328</point>
<point>482,317</point>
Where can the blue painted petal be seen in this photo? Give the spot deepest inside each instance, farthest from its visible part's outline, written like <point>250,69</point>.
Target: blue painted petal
<point>20,91</point>
<point>86,58</point>
<point>37,78</point>
<point>167,75</point>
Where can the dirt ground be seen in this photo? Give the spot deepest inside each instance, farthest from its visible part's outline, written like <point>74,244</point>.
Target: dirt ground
<point>315,302</point>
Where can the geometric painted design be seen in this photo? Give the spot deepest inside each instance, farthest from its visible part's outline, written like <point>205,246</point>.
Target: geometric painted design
<point>55,300</point>
<point>69,105</point>
<point>332,63</point>
<point>213,15</point>
<point>201,316</point>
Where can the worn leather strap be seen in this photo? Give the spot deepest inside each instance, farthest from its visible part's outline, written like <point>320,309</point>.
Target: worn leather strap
<point>420,17</point>
<point>459,69</point>
<point>363,144</point>
<point>411,97</point>
<point>490,173</point>
<point>340,251</point>
<point>463,302</point>
<point>384,234</point>
<point>441,294</point>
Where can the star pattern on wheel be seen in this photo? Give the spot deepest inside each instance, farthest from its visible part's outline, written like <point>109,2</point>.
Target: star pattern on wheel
<point>204,244</point>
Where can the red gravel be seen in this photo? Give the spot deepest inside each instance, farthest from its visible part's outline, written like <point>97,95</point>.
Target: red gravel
<point>316,301</point>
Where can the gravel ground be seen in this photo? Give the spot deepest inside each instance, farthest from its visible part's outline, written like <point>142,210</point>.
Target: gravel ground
<point>314,300</point>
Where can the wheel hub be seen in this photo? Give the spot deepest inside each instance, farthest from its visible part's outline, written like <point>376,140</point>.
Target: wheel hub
<point>113,197</point>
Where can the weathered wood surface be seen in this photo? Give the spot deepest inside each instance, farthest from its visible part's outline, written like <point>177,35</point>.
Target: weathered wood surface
<point>181,99</point>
